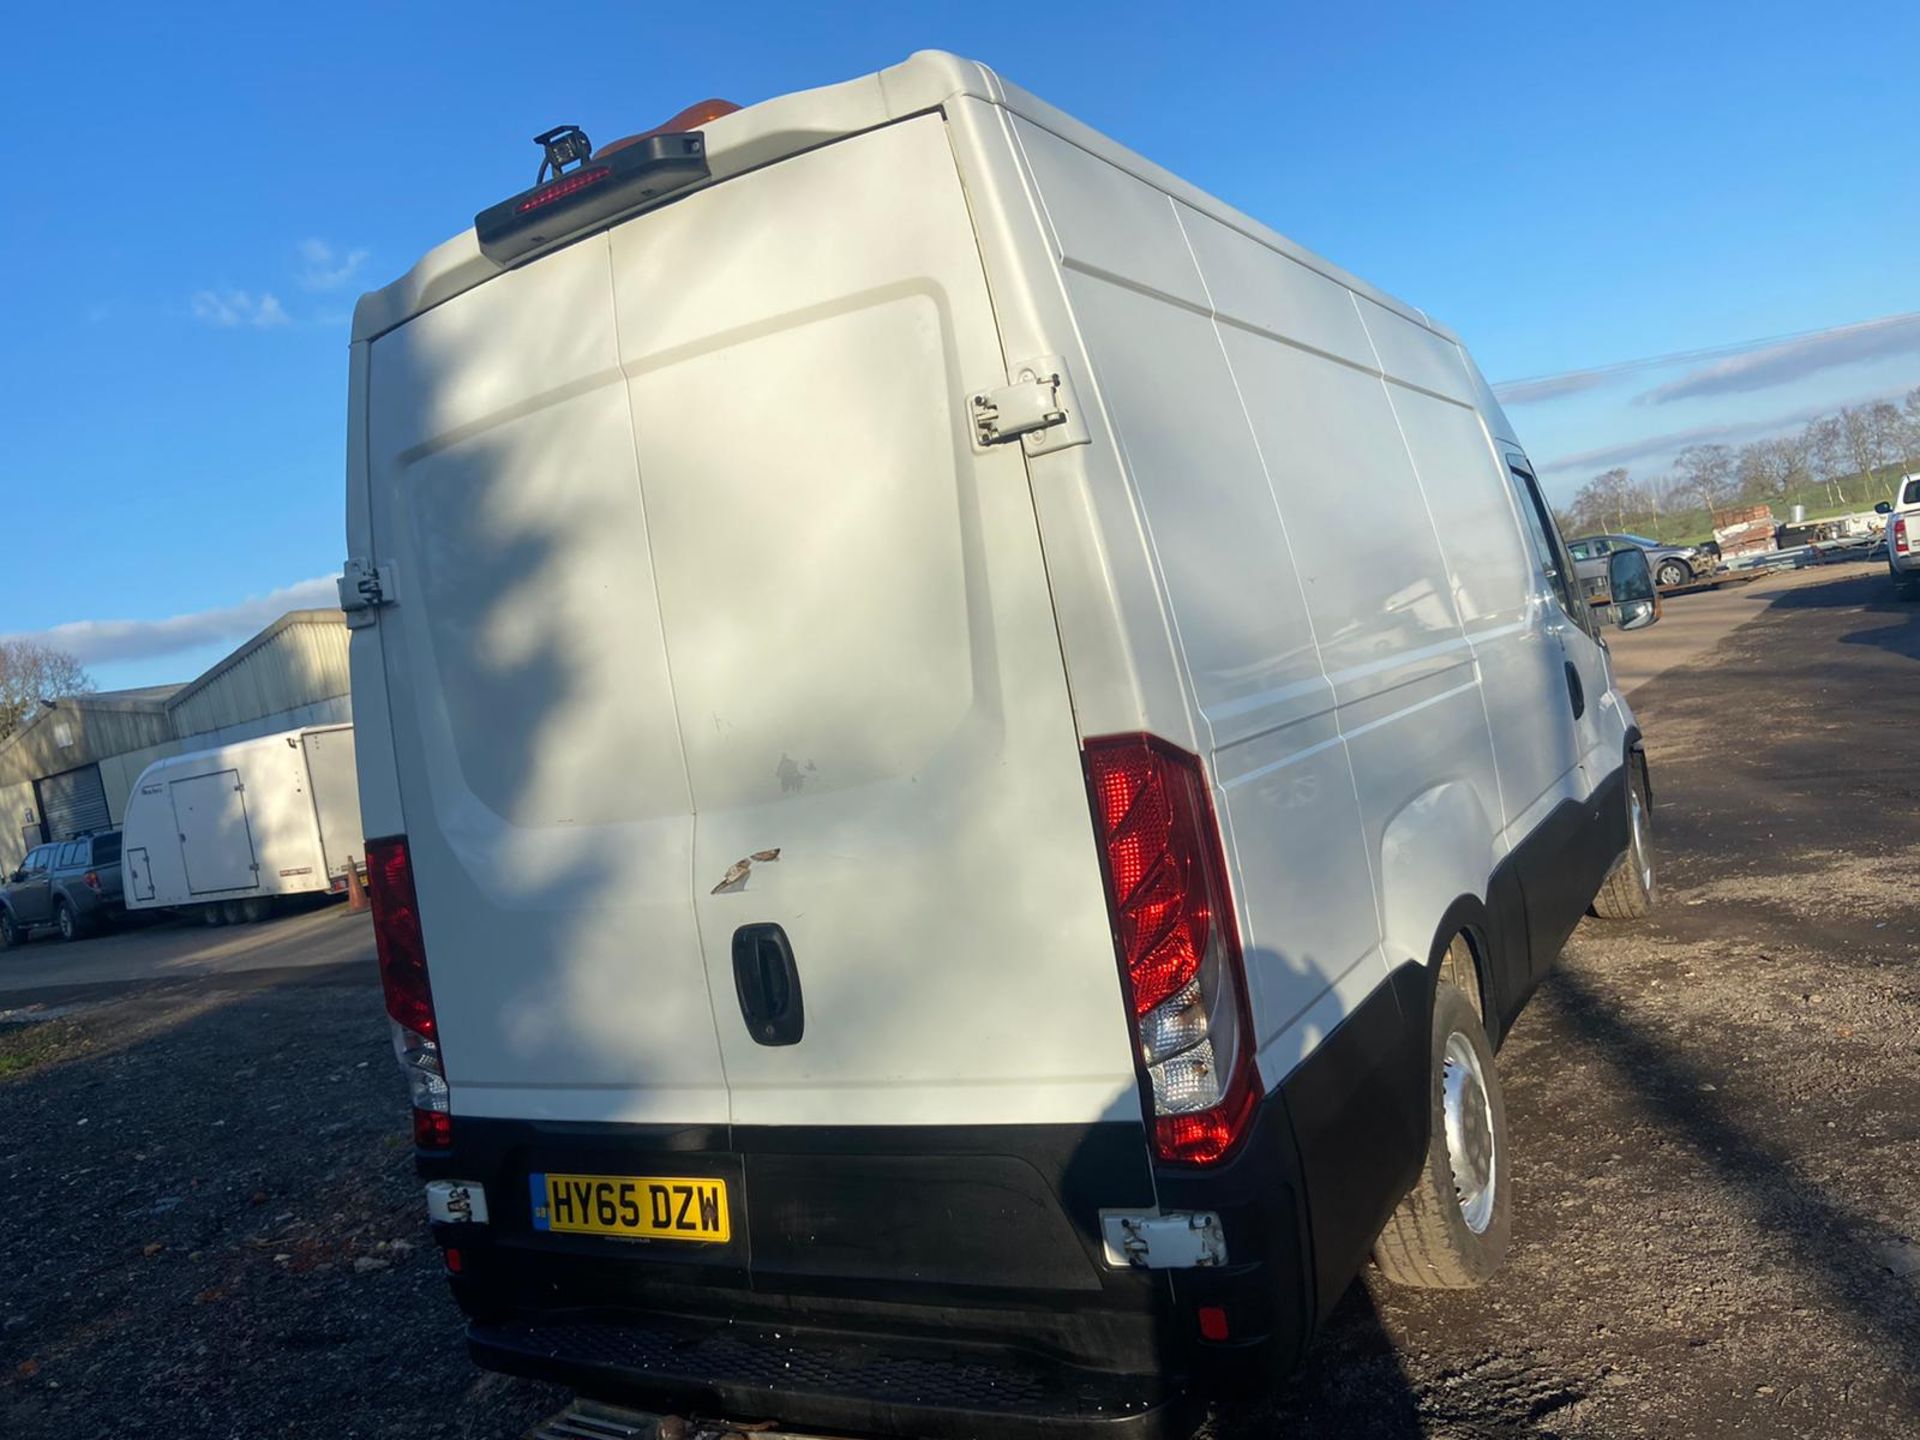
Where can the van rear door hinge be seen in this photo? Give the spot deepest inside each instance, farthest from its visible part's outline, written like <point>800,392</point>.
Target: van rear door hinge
<point>1037,407</point>
<point>364,586</point>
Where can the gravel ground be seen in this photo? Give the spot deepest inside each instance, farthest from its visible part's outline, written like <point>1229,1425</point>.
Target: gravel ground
<point>212,1229</point>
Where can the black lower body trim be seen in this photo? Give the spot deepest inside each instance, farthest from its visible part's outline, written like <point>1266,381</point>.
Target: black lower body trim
<point>876,1246</point>
<point>835,1381</point>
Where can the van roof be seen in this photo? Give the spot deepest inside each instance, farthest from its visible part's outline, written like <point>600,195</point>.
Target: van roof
<point>788,124</point>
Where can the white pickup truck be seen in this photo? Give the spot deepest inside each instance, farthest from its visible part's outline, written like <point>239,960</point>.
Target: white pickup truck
<point>1903,535</point>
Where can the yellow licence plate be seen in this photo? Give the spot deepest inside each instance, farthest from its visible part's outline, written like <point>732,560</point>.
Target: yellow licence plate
<point>673,1207</point>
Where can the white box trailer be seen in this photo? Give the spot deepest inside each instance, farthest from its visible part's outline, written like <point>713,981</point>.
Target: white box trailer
<point>227,830</point>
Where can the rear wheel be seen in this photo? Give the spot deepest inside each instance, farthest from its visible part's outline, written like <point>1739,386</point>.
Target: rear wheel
<point>1628,891</point>
<point>213,914</point>
<point>9,929</point>
<point>233,912</point>
<point>1451,1230</point>
<point>254,910</point>
<point>64,921</point>
<point>1674,572</point>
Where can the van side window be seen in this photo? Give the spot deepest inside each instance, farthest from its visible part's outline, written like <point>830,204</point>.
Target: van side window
<point>1541,534</point>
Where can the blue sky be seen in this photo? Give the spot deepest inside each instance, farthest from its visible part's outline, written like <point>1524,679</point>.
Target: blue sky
<point>198,194</point>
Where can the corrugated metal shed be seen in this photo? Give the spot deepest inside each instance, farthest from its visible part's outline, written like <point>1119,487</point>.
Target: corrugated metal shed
<point>292,673</point>
<point>299,661</point>
<point>81,729</point>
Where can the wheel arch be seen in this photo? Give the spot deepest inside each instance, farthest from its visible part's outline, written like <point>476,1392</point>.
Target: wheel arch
<point>1467,916</point>
<point>1634,751</point>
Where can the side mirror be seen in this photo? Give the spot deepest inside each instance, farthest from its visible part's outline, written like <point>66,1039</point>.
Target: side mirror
<point>1885,507</point>
<point>18,875</point>
<point>1636,601</point>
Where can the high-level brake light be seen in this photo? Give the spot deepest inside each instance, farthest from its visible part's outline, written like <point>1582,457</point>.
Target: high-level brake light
<point>602,186</point>
<point>1178,947</point>
<point>402,948</point>
<point>556,190</point>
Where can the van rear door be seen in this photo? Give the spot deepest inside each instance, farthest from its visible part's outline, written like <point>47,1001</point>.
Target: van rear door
<point>733,733</point>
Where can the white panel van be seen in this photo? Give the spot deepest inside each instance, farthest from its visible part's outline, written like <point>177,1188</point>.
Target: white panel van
<point>932,873</point>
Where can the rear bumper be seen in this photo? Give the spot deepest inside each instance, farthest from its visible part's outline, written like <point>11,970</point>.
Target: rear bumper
<point>93,904</point>
<point>921,1280</point>
<point>842,1382</point>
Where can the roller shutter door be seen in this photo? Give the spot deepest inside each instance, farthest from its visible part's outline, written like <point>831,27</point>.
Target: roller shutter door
<point>74,803</point>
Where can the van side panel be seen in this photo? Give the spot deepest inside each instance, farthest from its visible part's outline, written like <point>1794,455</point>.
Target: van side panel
<point>1263,703</point>
<point>1361,630</point>
<point>1503,602</point>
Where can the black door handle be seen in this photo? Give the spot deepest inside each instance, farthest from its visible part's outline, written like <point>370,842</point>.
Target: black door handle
<point>1575,691</point>
<point>769,985</point>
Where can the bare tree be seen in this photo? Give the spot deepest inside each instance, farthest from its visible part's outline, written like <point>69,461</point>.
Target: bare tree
<point>1753,472</point>
<point>30,673</point>
<point>1768,469</point>
<point>1827,448</point>
<point>1706,473</point>
<point>1858,442</point>
<point>1615,493</point>
<point>1887,437</point>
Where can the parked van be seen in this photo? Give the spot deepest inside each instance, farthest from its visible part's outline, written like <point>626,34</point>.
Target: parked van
<point>225,831</point>
<point>933,872</point>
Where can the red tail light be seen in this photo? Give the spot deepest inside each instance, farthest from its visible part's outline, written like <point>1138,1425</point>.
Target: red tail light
<point>1900,534</point>
<point>1178,948</point>
<point>396,934</point>
<point>402,949</point>
<point>91,879</point>
<point>432,1129</point>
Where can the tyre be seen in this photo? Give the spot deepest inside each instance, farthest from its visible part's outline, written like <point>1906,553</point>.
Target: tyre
<point>1451,1231</point>
<point>1628,891</point>
<point>65,922</point>
<point>233,912</point>
<point>256,909</point>
<point>213,914</point>
<point>1673,572</point>
<point>10,935</point>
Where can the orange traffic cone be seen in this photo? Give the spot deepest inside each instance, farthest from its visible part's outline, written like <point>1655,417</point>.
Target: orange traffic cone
<point>356,892</point>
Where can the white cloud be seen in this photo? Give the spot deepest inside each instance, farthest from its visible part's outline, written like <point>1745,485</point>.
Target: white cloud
<point>1794,359</point>
<point>1740,366</point>
<point>1549,387</point>
<point>322,267</point>
<point>229,309</point>
<point>99,641</point>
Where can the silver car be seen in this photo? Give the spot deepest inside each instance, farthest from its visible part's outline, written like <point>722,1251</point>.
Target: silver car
<point>1673,565</point>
